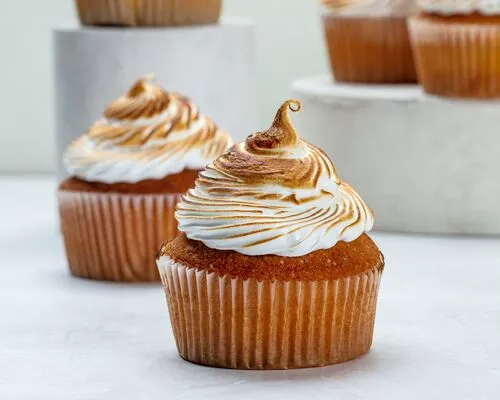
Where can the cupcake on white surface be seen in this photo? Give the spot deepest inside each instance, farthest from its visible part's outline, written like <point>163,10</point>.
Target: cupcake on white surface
<point>128,171</point>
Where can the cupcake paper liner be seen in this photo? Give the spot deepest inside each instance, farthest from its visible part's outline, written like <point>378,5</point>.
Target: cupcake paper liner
<point>178,12</point>
<point>107,12</point>
<point>456,59</point>
<point>115,237</point>
<point>249,324</point>
<point>369,49</point>
<point>148,12</point>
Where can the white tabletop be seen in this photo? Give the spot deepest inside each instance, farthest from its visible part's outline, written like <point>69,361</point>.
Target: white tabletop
<point>437,333</point>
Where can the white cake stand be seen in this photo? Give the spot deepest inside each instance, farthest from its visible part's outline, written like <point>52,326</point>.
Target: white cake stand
<point>423,163</point>
<point>212,64</point>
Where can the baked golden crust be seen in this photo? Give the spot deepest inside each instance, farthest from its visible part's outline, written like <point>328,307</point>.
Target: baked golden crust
<point>342,260</point>
<point>175,183</point>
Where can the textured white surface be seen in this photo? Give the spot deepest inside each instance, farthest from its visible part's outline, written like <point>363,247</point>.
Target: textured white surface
<point>437,330</point>
<point>422,163</point>
<point>213,65</point>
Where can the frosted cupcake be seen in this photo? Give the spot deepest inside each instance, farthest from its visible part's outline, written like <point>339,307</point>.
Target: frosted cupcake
<point>368,40</point>
<point>272,269</point>
<point>148,12</point>
<point>127,174</point>
<point>457,47</point>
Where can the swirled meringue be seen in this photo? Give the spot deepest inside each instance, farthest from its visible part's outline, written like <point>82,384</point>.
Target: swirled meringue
<point>460,7</point>
<point>273,194</point>
<point>146,134</point>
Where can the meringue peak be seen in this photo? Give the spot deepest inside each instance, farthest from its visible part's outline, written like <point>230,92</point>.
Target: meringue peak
<point>280,135</point>
<point>142,85</point>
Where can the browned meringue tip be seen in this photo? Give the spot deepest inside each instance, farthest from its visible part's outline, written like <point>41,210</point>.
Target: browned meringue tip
<point>141,85</point>
<point>291,103</point>
<point>281,134</point>
<point>283,123</point>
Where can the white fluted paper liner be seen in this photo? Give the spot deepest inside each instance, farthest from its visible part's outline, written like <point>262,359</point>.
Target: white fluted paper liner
<point>110,236</point>
<point>250,324</point>
<point>457,59</point>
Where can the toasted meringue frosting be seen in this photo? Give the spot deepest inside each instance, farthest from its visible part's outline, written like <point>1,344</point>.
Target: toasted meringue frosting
<point>273,194</point>
<point>146,134</point>
<point>461,7</point>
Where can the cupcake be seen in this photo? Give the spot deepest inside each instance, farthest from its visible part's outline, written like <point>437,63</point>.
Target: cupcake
<point>128,171</point>
<point>457,47</point>
<point>148,12</point>
<point>368,40</point>
<point>272,269</point>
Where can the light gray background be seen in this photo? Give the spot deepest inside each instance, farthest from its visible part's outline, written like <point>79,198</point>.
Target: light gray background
<point>289,44</point>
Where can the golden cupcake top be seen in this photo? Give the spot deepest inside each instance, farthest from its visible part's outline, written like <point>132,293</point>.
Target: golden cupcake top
<point>273,194</point>
<point>148,133</point>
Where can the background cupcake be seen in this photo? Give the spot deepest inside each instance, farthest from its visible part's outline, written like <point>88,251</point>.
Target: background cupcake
<point>148,12</point>
<point>368,41</point>
<point>128,172</point>
<point>457,47</point>
<point>272,270</point>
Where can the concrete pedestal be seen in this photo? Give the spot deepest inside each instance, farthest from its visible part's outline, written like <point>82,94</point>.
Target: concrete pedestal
<point>213,65</point>
<point>423,163</point>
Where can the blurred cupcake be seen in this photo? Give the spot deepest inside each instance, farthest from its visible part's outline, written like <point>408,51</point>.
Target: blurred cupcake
<point>273,269</point>
<point>368,40</point>
<point>128,172</point>
<point>148,12</point>
<point>457,47</point>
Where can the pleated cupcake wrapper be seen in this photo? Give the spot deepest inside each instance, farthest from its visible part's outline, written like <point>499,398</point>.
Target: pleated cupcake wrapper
<point>249,324</point>
<point>369,50</point>
<point>148,12</point>
<point>116,236</point>
<point>107,12</point>
<point>457,60</point>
